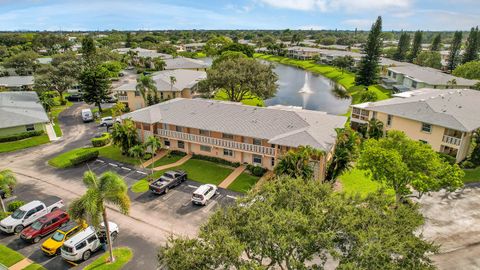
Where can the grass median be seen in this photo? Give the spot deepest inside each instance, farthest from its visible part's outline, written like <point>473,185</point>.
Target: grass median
<point>243,183</point>
<point>122,256</point>
<point>22,144</point>
<point>9,257</point>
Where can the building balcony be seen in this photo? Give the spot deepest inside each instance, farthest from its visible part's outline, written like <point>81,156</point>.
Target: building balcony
<point>122,98</point>
<point>452,140</point>
<point>244,147</point>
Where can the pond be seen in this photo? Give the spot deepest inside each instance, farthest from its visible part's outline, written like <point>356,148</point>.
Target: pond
<point>297,87</point>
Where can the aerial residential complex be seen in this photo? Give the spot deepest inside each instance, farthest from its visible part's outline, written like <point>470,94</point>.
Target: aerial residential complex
<point>445,119</point>
<point>236,132</point>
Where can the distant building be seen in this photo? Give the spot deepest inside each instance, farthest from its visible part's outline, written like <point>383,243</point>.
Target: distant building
<point>185,63</point>
<point>303,53</point>
<point>236,132</point>
<point>184,85</point>
<point>445,119</point>
<point>143,53</point>
<point>194,47</point>
<point>17,83</point>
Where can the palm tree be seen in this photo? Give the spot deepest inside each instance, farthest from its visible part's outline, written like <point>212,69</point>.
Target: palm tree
<point>375,129</point>
<point>125,135</point>
<point>154,143</point>
<point>7,182</point>
<point>47,102</point>
<point>108,188</point>
<point>145,85</point>
<point>298,163</point>
<point>346,150</point>
<point>138,151</point>
<point>173,80</point>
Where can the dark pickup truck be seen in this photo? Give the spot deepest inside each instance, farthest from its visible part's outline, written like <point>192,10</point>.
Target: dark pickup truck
<point>167,181</point>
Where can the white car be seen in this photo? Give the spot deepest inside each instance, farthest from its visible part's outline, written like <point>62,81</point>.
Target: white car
<point>87,115</point>
<point>84,243</point>
<point>203,194</point>
<point>106,121</point>
<point>29,213</point>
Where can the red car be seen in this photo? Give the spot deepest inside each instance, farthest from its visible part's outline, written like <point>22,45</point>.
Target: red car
<point>44,226</point>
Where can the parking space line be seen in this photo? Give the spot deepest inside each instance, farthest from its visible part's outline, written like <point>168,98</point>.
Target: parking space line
<point>125,168</point>
<point>140,172</point>
<point>231,197</point>
<point>168,195</point>
<point>209,206</point>
<point>187,203</point>
<point>99,160</point>
<point>192,186</point>
<point>112,164</point>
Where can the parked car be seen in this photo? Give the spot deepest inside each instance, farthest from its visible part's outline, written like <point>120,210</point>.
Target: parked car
<point>75,97</point>
<point>203,194</point>
<point>106,121</point>
<point>167,181</point>
<point>29,213</point>
<point>52,245</point>
<point>87,115</point>
<point>83,244</point>
<point>44,226</point>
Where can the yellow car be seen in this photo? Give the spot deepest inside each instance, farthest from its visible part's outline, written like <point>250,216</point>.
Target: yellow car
<point>53,244</point>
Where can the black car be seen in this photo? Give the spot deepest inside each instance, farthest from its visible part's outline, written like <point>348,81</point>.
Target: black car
<point>167,181</point>
<point>75,97</point>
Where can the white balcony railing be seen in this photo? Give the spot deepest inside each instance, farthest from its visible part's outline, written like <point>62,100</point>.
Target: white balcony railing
<point>452,140</point>
<point>246,147</point>
<point>122,98</point>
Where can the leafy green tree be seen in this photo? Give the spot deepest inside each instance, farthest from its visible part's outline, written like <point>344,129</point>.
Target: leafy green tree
<point>7,183</point>
<point>472,46</point>
<point>343,62</point>
<point>454,55</point>
<point>469,70</point>
<point>346,151</point>
<point>214,45</point>
<point>128,40</point>
<point>89,50</point>
<point>125,135</point>
<point>436,43</point>
<point>47,101</point>
<point>375,129</point>
<point>59,76</point>
<point>173,80</point>
<point>118,109</point>
<point>138,151</point>
<point>368,96</point>
<point>402,47</point>
<point>429,59</point>
<point>113,68</point>
<point>299,163</point>
<point>95,84</point>
<point>237,47</point>
<point>108,188</point>
<point>368,68</point>
<point>153,143</point>
<point>146,86</point>
<point>226,56</point>
<point>24,63</point>
<point>416,46</point>
<point>404,164</point>
<point>241,79</point>
<point>296,224</point>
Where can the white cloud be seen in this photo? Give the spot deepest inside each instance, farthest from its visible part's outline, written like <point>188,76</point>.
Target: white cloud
<point>335,5</point>
<point>359,23</point>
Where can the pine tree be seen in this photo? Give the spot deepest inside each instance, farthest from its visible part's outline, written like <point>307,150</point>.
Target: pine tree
<point>471,50</point>
<point>435,47</point>
<point>416,47</point>
<point>156,99</point>
<point>403,47</point>
<point>368,69</point>
<point>149,99</point>
<point>454,55</point>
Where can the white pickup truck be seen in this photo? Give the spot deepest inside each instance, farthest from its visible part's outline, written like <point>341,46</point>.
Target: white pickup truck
<point>29,213</point>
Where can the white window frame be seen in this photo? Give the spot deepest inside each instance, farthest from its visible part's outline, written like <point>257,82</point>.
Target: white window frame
<point>228,152</point>
<point>204,147</point>
<point>426,125</point>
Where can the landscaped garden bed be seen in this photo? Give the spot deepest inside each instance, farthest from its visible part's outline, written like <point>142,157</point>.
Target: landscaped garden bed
<point>122,256</point>
<point>22,144</point>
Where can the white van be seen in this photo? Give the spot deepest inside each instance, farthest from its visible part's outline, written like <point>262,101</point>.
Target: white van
<point>87,115</point>
<point>203,194</point>
<point>83,244</point>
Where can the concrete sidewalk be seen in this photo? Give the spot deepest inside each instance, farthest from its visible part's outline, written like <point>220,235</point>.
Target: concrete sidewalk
<point>159,155</point>
<point>175,164</point>
<point>21,264</point>
<point>232,176</point>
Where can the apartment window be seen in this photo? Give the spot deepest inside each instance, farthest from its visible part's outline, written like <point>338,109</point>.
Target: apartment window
<point>164,126</point>
<point>228,152</point>
<point>178,129</point>
<point>257,141</point>
<point>181,144</point>
<point>204,132</point>
<point>389,120</point>
<point>167,143</point>
<point>272,161</point>
<point>227,136</point>
<point>426,128</point>
<point>205,148</point>
<point>137,93</point>
<point>30,127</point>
<point>257,159</point>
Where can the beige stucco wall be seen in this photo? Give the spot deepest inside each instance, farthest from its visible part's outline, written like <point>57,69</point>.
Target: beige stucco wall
<point>137,102</point>
<point>20,129</point>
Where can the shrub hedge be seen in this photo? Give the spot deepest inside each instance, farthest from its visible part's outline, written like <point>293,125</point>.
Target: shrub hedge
<point>102,141</point>
<point>14,205</point>
<point>4,214</point>
<point>256,170</point>
<point>216,160</point>
<point>84,157</point>
<point>21,136</point>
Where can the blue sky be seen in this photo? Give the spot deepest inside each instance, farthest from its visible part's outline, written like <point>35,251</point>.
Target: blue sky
<point>238,14</point>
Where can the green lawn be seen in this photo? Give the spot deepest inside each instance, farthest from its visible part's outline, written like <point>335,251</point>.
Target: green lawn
<point>243,183</point>
<point>114,153</point>
<point>346,79</point>
<point>140,186</point>
<point>471,175</point>
<point>205,171</point>
<point>63,160</point>
<point>168,159</point>
<point>250,100</point>
<point>9,257</point>
<point>355,181</point>
<point>34,266</point>
<point>104,113</point>
<point>122,256</point>
<point>25,143</point>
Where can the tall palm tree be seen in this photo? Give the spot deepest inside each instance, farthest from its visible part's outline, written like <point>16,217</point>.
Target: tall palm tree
<point>47,102</point>
<point>375,129</point>
<point>108,188</point>
<point>298,163</point>
<point>154,143</point>
<point>173,80</point>
<point>125,135</point>
<point>138,151</point>
<point>145,85</point>
<point>7,182</point>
